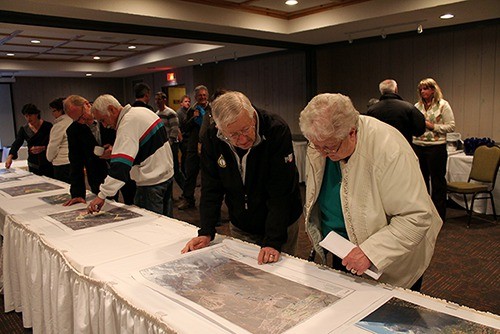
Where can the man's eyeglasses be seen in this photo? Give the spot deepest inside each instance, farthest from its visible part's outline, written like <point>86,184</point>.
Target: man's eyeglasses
<point>236,135</point>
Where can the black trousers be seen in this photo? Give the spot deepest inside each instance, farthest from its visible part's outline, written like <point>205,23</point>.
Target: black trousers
<point>178,175</point>
<point>128,192</point>
<point>433,161</point>
<point>192,170</point>
<point>62,173</point>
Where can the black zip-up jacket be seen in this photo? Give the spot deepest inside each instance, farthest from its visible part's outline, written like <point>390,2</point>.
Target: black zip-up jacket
<point>269,201</point>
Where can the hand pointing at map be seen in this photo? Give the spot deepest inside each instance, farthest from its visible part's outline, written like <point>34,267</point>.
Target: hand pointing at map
<point>95,205</point>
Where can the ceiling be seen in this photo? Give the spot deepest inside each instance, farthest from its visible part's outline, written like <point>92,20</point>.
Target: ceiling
<point>169,33</point>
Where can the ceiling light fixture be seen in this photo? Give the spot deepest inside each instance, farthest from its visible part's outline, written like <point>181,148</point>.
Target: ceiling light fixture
<point>97,57</point>
<point>190,59</point>
<point>383,34</point>
<point>10,54</point>
<point>132,47</point>
<point>447,16</point>
<point>420,29</point>
<point>88,74</point>
<point>35,41</point>
<point>291,2</point>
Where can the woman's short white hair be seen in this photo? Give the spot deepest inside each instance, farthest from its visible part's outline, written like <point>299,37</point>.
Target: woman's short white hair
<point>328,116</point>
<point>101,104</point>
<point>229,106</point>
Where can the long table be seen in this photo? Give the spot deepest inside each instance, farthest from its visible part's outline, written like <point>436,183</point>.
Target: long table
<point>110,279</point>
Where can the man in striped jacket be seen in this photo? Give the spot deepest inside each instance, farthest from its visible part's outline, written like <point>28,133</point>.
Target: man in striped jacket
<point>141,152</point>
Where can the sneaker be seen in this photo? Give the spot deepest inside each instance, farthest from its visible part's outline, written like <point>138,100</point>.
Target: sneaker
<point>185,204</point>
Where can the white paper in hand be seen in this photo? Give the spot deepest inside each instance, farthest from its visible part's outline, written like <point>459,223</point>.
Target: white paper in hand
<point>341,247</point>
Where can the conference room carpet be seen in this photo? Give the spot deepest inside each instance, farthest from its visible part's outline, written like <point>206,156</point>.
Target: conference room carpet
<point>465,268</point>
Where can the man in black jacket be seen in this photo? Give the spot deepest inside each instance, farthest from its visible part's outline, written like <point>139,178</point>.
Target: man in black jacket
<point>402,115</point>
<point>195,117</point>
<point>247,158</point>
<point>84,134</point>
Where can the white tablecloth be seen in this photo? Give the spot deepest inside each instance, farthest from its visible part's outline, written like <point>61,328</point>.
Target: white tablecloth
<point>83,281</point>
<point>458,170</point>
<point>299,150</point>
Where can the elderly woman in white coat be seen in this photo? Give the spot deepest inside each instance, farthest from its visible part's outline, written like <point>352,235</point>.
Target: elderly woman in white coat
<point>364,182</point>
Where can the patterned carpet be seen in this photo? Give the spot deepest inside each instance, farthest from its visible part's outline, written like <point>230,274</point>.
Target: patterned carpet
<point>465,268</point>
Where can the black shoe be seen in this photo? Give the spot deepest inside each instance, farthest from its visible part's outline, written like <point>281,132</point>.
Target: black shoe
<point>185,204</point>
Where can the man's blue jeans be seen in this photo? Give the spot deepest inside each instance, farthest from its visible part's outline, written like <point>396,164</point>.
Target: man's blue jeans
<point>157,198</point>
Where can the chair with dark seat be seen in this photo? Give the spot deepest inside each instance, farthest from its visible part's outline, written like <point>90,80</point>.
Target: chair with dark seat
<point>482,178</point>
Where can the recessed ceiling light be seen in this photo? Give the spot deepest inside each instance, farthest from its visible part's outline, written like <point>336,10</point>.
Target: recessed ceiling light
<point>97,57</point>
<point>132,47</point>
<point>190,59</point>
<point>291,2</point>
<point>10,54</point>
<point>35,41</point>
<point>88,74</point>
<point>447,16</point>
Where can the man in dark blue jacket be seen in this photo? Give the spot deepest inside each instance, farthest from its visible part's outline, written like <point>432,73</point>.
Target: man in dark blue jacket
<point>402,115</point>
<point>247,158</point>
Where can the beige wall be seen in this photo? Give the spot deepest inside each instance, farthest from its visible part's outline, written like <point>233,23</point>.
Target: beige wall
<point>464,61</point>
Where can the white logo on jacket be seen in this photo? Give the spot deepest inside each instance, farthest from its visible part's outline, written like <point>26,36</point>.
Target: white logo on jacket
<point>221,162</point>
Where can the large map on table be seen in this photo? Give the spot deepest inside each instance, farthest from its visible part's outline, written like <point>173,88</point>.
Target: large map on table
<point>31,189</point>
<point>253,299</point>
<point>400,316</point>
<point>81,219</point>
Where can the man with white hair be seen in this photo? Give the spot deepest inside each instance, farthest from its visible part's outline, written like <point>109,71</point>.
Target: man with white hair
<point>402,115</point>
<point>141,152</point>
<point>247,160</point>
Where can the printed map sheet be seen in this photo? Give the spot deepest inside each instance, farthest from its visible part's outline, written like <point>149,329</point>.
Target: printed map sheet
<point>253,299</point>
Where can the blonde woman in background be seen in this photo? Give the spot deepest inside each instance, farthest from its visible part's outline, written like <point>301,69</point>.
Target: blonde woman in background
<point>431,146</point>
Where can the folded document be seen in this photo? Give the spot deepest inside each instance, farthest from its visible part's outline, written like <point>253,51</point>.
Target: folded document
<point>341,247</point>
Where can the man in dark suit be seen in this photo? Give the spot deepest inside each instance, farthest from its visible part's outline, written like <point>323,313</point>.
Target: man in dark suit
<point>142,94</point>
<point>84,134</point>
<point>402,115</point>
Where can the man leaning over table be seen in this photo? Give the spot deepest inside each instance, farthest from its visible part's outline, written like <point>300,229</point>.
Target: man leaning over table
<point>83,135</point>
<point>141,152</point>
<point>247,158</point>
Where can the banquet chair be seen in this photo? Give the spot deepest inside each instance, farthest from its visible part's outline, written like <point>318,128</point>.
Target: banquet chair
<point>482,178</point>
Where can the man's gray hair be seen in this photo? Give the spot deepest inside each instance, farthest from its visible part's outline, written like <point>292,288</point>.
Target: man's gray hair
<point>388,86</point>
<point>198,88</point>
<point>328,116</point>
<point>73,100</point>
<point>229,106</point>
<point>101,104</point>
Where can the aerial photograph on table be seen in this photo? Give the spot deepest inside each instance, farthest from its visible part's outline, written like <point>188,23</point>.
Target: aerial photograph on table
<point>30,189</point>
<point>400,316</point>
<point>80,219</point>
<point>253,299</point>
